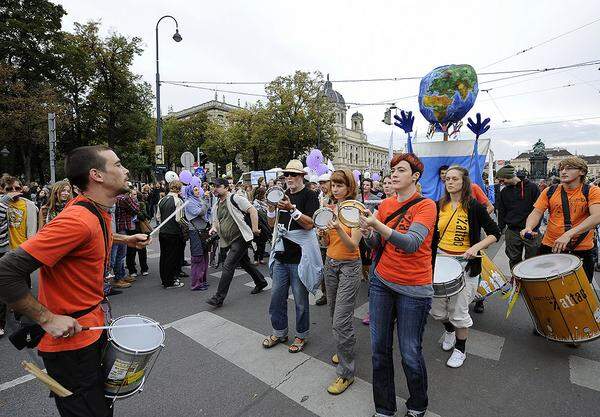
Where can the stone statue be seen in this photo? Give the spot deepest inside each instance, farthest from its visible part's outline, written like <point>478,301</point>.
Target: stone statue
<point>539,149</point>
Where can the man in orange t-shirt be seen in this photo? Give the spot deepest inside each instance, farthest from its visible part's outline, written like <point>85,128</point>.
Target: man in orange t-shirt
<point>584,214</point>
<point>72,253</point>
<point>401,284</point>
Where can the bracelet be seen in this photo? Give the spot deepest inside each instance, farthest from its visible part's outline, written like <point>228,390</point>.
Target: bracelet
<point>296,214</point>
<point>271,214</point>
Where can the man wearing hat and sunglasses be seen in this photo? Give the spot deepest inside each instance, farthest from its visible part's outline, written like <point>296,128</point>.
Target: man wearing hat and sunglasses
<point>295,213</point>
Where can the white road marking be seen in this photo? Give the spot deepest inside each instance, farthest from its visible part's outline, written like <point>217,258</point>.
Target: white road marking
<point>300,377</point>
<point>486,345</point>
<point>312,299</point>
<point>584,372</point>
<point>16,381</point>
<point>237,273</point>
<point>361,311</point>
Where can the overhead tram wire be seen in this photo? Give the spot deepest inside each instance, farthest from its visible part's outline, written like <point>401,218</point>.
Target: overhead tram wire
<point>541,43</point>
<point>549,123</point>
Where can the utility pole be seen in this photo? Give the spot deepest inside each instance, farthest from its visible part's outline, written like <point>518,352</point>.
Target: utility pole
<point>52,145</point>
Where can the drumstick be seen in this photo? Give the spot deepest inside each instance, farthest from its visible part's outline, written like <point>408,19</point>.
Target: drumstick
<point>458,255</point>
<point>178,209</point>
<point>120,326</point>
<point>54,386</point>
<point>275,228</point>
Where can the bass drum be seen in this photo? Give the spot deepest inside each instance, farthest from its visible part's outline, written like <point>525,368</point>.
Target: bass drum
<point>563,305</point>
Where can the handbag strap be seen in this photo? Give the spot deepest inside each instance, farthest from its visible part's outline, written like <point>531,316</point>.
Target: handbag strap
<point>400,215</point>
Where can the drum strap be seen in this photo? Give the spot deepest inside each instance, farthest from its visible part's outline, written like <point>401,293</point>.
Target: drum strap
<point>94,210</point>
<point>567,220</point>
<point>400,215</point>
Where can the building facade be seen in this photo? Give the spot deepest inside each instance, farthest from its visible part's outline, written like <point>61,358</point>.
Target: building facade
<point>555,155</point>
<point>353,149</point>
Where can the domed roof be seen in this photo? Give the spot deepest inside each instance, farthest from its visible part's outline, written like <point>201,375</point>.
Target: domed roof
<point>333,95</point>
<point>357,115</point>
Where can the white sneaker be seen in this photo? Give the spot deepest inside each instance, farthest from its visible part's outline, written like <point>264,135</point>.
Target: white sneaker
<point>134,274</point>
<point>1,332</point>
<point>448,340</point>
<point>457,359</point>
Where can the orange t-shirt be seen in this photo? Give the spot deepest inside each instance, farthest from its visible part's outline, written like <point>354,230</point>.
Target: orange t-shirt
<point>578,210</point>
<point>478,194</point>
<point>71,249</point>
<point>396,265</point>
<point>336,248</point>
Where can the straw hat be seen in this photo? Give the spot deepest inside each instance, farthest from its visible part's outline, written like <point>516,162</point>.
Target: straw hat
<point>295,166</point>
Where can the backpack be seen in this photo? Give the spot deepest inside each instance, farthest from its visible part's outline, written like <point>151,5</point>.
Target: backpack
<point>263,223</point>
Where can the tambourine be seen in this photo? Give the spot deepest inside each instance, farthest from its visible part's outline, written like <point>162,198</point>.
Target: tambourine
<point>275,194</point>
<point>322,217</point>
<point>349,212</point>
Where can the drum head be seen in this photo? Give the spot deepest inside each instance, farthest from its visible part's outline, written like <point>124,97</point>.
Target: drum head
<point>322,217</point>
<point>137,339</point>
<point>546,266</point>
<point>275,195</point>
<point>446,269</point>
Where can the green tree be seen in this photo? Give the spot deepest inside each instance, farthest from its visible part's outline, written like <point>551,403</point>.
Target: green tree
<point>29,33</point>
<point>248,129</point>
<point>220,146</point>
<point>181,135</point>
<point>298,115</point>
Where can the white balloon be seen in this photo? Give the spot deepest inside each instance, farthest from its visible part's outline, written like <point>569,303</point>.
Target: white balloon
<point>367,174</point>
<point>171,176</point>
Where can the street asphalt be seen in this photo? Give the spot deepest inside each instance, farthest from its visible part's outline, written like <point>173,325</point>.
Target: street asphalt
<point>204,371</point>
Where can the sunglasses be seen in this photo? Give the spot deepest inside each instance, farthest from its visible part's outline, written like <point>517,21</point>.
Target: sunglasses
<point>10,189</point>
<point>290,174</point>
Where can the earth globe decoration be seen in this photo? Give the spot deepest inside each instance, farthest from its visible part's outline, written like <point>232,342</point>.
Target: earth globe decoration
<point>446,94</point>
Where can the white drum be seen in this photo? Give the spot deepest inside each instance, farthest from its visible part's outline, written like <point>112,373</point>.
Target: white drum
<point>128,355</point>
<point>322,217</point>
<point>448,277</point>
<point>275,194</point>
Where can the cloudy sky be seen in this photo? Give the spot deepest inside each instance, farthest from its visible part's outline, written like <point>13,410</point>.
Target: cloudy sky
<point>259,40</point>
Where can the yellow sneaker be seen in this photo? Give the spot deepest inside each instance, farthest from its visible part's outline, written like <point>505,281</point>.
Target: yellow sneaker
<point>339,385</point>
<point>335,359</point>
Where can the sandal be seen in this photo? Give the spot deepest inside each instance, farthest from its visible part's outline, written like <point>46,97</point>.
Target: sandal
<point>273,340</point>
<point>297,346</point>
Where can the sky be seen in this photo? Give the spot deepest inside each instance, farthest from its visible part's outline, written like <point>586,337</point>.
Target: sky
<point>259,40</point>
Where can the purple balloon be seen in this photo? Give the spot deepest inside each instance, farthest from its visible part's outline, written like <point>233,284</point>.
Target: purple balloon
<point>375,176</point>
<point>356,173</point>
<point>185,176</point>
<point>322,169</point>
<point>195,182</point>
<point>314,159</point>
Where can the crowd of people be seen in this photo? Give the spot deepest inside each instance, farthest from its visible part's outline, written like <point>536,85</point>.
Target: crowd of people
<point>393,247</point>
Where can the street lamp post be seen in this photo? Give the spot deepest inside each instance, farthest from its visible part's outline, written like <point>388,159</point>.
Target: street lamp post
<point>159,151</point>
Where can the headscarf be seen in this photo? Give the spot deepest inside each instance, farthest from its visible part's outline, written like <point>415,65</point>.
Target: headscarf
<point>195,205</point>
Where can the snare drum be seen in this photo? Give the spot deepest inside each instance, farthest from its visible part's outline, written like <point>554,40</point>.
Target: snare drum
<point>322,217</point>
<point>563,305</point>
<point>128,355</point>
<point>275,194</point>
<point>349,212</point>
<point>448,277</point>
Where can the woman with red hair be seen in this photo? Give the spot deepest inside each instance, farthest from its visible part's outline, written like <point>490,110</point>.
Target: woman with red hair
<point>400,289</point>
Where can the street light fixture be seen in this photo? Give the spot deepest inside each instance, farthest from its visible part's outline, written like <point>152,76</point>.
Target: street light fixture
<point>159,152</point>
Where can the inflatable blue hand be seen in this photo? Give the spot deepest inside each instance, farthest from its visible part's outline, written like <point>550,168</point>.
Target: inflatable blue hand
<point>479,127</point>
<point>405,121</point>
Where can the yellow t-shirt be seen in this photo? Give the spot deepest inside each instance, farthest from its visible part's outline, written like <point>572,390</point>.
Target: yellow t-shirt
<point>456,236</point>
<point>17,215</point>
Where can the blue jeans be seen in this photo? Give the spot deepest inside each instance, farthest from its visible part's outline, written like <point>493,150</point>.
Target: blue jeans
<point>284,276</point>
<point>118,253</point>
<point>385,305</point>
